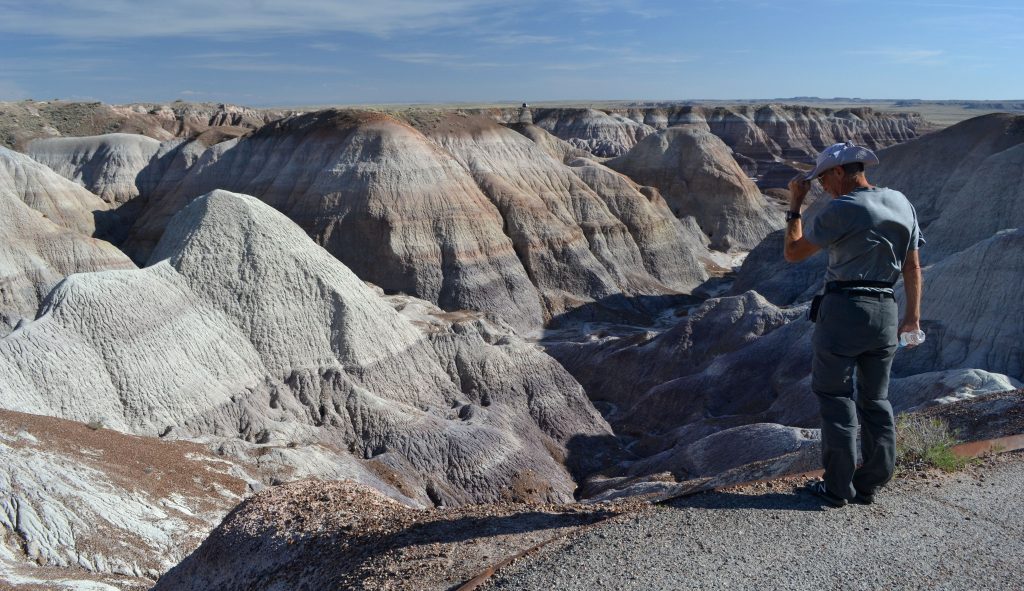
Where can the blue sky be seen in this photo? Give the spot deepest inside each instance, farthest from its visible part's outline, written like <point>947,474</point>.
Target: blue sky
<point>306,52</point>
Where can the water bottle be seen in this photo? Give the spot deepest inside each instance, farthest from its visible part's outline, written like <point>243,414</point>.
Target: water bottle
<point>911,338</point>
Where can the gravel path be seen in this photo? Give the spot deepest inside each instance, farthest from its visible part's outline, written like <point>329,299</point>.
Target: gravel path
<point>963,531</point>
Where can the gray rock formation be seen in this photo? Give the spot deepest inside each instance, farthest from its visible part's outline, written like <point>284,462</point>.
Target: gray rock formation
<point>741,360</point>
<point>698,177</point>
<point>106,165</point>
<point>582,232</point>
<point>90,508</point>
<point>245,328</point>
<point>726,457</point>
<point>455,209</point>
<point>964,181</point>
<point>21,122</point>
<point>766,139</point>
<point>945,387</point>
<point>971,311</point>
<point>599,132</point>
<point>45,223</point>
<point>730,358</point>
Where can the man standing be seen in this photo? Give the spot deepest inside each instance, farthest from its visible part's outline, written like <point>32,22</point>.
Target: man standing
<point>871,235</point>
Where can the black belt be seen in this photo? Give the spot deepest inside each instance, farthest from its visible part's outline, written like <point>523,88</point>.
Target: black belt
<point>857,287</point>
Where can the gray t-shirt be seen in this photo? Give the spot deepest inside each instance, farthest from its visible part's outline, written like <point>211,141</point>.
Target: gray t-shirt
<point>868,233</point>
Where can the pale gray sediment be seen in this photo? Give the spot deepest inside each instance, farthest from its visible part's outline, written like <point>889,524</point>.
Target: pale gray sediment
<point>963,531</point>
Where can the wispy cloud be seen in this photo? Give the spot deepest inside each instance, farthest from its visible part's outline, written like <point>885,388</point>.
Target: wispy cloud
<point>274,67</point>
<point>636,8</point>
<point>655,59</point>
<point>902,55</point>
<point>324,46</point>
<point>49,65</point>
<point>229,55</point>
<point>117,19</point>
<point>449,60</point>
<point>521,39</point>
<point>572,66</point>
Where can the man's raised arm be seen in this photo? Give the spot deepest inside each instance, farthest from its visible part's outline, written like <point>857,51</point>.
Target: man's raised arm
<point>797,248</point>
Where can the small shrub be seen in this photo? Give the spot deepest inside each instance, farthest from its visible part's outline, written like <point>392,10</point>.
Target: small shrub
<point>923,442</point>
<point>96,424</point>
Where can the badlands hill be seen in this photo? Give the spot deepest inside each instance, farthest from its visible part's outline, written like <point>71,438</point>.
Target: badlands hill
<point>243,327</point>
<point>694,170</point>
<point>743,360</point>
<point>46,224</point>
<point>90,508</point>
<point>455,209</point>
<point>961,180</point>
<point>341,294</point>
<point>766,139</point>
<point>24,121</point>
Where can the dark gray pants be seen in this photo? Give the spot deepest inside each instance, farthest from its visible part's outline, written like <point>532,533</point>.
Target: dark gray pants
<point>855,334</point>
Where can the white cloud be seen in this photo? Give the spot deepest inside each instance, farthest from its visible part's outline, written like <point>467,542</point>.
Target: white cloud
<point>450,60</point>
<point>62,65</point>
<point>325,46</point>
<point>113,19</point>
<point>228,55</point>
<point>522,39</point>
<point>275,67</point>
<point>902,56</point>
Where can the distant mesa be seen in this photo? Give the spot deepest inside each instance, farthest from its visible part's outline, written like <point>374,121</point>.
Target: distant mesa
<point>27,120</point>
<point>764,138</point>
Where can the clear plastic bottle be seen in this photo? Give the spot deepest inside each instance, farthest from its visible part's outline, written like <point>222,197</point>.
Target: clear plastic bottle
<point>911,338</point>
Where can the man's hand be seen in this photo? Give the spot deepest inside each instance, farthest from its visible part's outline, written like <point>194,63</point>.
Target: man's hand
<point>909,326</point>
<point>798,189</point>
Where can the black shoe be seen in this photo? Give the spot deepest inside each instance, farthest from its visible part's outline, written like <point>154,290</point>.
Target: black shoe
<point>863,499</point>
<point>817,488</point>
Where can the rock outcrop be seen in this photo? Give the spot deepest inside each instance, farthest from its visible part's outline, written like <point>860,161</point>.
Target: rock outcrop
<point>429,208</point>
<point>88,508</point>
<point>971,311</point>
<point>599,132</point>
<point>766,139</point>
<point>945,387</point>
<point>698,177</point>
<point>741,360</point>
<point>21,122</point>
<point>582,231</point>
<point>243,327</point>
<point>378,195</point>
<point>964,181</point>
<point>45,227</point>
<point>726,457</point>
<point>107,165</point>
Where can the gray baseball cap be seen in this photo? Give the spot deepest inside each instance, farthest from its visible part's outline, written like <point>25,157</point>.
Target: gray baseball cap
<point>840,154</point>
